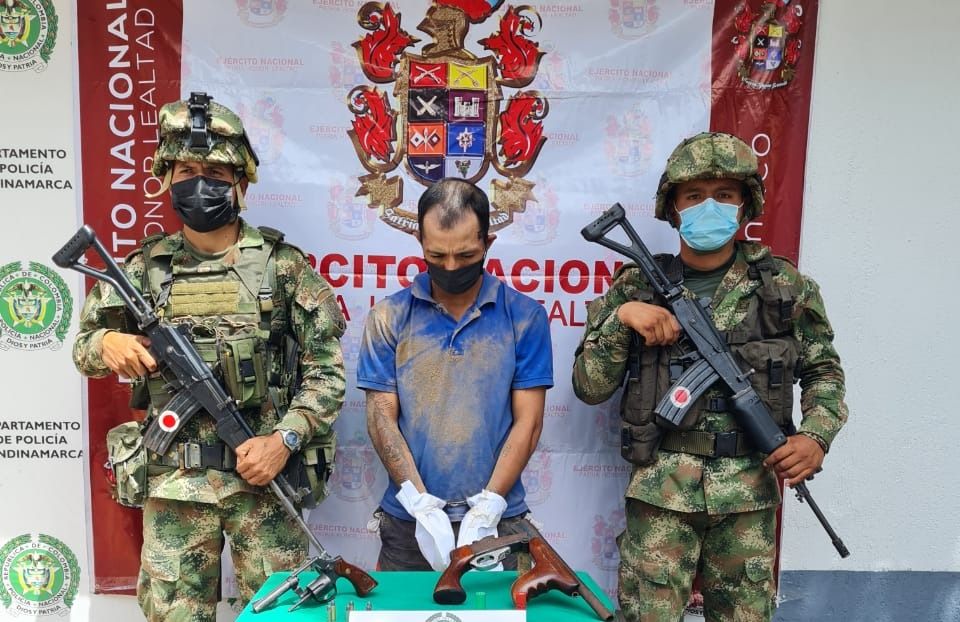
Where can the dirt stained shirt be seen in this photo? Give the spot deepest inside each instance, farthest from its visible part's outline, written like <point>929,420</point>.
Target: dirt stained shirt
<point>454,381</point>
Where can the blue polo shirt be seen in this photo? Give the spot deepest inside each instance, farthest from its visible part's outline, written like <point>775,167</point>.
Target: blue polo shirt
<point>454,382</point>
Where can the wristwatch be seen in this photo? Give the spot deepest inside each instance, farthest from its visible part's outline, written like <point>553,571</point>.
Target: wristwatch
<point>291,440</point>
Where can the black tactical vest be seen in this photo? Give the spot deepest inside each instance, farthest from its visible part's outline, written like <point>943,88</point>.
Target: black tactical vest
<point>763,341</point>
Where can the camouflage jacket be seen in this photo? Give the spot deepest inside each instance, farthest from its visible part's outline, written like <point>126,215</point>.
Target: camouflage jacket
<point>689,483</point>
<point>315,321</point>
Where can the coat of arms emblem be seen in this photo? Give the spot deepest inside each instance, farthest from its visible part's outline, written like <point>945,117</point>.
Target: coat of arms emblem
<point>448,120</point>
<point>349,217</point>
<point>28,33</point>
<point>261,13</point>
<point>768,45</point>
<point>633,18</point>
<point>39,576</point>
<point>264,121</point>
<point>35,307</point>
<point>355,473</point>
<point>606,554</point>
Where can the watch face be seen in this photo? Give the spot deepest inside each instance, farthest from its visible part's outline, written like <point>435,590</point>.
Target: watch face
<point>291,439</point>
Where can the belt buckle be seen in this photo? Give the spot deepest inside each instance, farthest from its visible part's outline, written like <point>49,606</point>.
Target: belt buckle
<point>190,456</point>
<point>725,445</point>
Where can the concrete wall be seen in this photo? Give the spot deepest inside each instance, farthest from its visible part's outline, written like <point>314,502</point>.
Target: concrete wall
<point>880,235</point>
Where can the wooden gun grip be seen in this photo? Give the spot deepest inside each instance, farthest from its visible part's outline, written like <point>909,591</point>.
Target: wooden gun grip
<point>549,572</point>
<point>362,582</point>
<point>448,590</point>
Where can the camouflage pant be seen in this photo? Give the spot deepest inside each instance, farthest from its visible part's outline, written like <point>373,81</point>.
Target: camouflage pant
<point>660,551</point>
<point>182,541</point>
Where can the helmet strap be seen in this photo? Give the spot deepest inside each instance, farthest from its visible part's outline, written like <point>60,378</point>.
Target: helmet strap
<point>238,191</point>
<point>164,186</point>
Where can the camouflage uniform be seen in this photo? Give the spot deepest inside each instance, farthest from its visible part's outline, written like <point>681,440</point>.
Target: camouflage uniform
<point>685,509</point>
<point>188,511</point>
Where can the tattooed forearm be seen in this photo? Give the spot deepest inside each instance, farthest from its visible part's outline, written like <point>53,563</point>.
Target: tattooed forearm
<point>382,412</point>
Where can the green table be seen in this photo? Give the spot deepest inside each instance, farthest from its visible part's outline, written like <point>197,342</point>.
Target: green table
<point>410,591</point>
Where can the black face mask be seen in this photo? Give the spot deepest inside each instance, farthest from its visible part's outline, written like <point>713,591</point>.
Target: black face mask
<point>204,204</point>
<point>455,281</point>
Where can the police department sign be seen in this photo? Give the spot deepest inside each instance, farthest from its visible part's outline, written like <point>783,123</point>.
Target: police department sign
<point>35,307</point>
<point>28,32</point>
<point>39,576</point>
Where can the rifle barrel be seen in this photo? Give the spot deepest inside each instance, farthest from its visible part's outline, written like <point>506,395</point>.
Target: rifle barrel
<point>803,494</point>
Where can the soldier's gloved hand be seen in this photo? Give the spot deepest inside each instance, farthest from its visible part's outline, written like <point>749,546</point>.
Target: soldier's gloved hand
<point>481,520</point>
<point>434,532</point>
<point>127,355</point>
<point>655,324</point>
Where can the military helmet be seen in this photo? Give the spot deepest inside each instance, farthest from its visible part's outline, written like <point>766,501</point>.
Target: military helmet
<point>711,155</point>
<point>201,130</point>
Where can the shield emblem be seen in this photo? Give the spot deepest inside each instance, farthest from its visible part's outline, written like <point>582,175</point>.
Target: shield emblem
<point>535,220</point>
<point>27,304</point>
<point>36,573</point>
<point>768,44</point>
<point>262,13</point>
<point>37,578</point>
<point>351,472</point>
<point>633,18</point>
<point>448,122</point>
<point>450,119</point>
<point>633,14</point>
<point>350,344</point>
<point>349,219</point>
<point>531,482</point>
<point>262,8</point>
<point>768,47</point>
<point>351,216</point>
<point>354,475</point>
<point>13,27</point>
<point>537,478</point>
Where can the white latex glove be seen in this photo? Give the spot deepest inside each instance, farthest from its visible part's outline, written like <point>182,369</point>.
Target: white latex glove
<point>481,520</point>
<point>434,532</point>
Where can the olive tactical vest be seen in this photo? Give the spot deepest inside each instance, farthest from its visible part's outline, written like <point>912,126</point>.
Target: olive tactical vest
<point>763,341</point>
<point>232,314</point>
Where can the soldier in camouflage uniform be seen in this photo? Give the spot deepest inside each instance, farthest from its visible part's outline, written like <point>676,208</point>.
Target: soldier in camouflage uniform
<point>702,497</point>
<point>265,321</point>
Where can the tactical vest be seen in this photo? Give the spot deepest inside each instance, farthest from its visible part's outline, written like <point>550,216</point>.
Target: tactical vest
<point>763,341</point>
<point>232,314</point>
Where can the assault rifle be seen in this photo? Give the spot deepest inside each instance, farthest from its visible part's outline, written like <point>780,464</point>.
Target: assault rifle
<point>196,388</point>
<point>549,571</point>
<point>709,356</point>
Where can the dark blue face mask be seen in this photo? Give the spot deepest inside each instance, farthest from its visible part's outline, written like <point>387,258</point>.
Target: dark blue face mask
<point>204,204</point>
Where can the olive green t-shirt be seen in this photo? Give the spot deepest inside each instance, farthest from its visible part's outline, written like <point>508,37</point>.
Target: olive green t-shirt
<point>704,284</point>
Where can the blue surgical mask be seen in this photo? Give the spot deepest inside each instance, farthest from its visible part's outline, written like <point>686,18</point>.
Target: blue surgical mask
<point>709,225</point>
